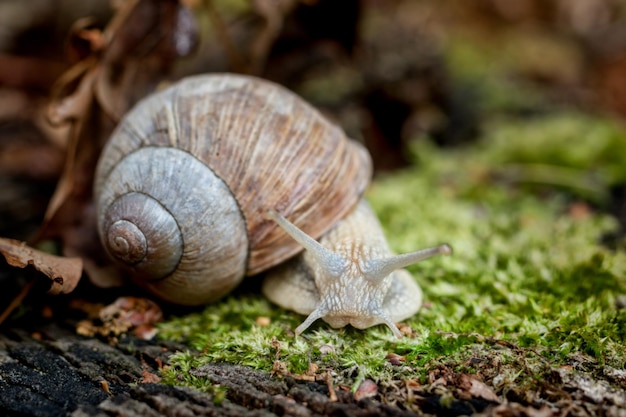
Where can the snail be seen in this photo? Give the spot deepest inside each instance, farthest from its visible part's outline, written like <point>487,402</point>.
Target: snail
<point>193,192</point>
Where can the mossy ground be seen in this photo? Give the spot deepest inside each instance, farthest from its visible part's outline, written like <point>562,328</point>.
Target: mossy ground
<point>529,290</point>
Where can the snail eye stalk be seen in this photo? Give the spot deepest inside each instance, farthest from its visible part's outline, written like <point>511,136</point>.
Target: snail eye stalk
<point>332,263</point>
<point>377,269</point>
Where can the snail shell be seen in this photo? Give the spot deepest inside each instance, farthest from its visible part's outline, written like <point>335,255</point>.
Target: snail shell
<point>184,183</point>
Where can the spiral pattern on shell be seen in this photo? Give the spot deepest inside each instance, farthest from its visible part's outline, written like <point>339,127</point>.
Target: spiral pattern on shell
<point>182,185</point>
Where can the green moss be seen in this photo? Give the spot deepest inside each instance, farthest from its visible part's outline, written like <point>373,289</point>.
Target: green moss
<point>179,375</point>
<point>528,279</point>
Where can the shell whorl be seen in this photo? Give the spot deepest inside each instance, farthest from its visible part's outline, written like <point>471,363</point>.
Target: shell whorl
<point>142,234</point>
<point>126,242</point>
<point>166,216</point>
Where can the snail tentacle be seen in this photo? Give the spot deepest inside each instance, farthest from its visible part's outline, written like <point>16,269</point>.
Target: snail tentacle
<point>318,313</point>
<point>377,269</point>
<point>334,265</point>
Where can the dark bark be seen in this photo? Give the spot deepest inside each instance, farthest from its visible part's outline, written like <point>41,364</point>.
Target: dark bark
<point>53,372</point>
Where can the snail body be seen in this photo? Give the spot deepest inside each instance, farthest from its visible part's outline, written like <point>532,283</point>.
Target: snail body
<point>189,189</point>
<point>349,277</point>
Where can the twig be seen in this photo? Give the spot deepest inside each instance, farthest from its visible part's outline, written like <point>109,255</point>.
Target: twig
<point>17,300</point>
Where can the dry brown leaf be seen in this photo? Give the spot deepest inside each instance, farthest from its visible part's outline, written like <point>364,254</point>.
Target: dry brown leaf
<point>63,272</point>
<point>148,377</point>
<point>477,389</point>
<point>367,389</point>
<point>144,40</point>
<point>85,38</point>
<point>119,66</point>
<point>69,104</point>
<point>137,311</point>
<point>138,315</point>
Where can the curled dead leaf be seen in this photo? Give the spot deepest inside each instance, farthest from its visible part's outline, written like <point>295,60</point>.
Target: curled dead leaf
<point>63,272</point>
<point>366,389</point>
<point>148,377</point>
<point>125,314</point>
<point>478,389</point>
<point>117,66</point>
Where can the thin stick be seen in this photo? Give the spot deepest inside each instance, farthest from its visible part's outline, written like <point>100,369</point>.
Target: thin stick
<point>17,300</point>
